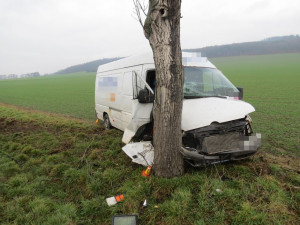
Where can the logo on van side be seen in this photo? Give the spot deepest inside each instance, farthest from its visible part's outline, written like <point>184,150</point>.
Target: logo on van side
<point>108,82</point>
<point>108,85</point>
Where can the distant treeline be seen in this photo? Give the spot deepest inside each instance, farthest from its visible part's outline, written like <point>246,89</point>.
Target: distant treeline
<point>273,45</point>
<point>87,67</point>
<point>15,76</point>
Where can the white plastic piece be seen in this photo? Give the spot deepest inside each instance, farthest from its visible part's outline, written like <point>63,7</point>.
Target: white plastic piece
<point>218,190</point>
<point>111,201</point>
<point>145,203</point>
<point>140,152</point>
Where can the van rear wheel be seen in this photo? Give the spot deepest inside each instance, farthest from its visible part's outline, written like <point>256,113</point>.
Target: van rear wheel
<point>106,122</point>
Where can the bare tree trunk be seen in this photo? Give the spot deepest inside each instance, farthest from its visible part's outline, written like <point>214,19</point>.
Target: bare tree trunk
<point>162,29</point>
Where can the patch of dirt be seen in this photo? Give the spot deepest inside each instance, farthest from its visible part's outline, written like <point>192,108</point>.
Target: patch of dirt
<point>284,161</point>
<point>31,110</point>
<point>162,194</point>
<point>13,125</point>
<point>288,162</point>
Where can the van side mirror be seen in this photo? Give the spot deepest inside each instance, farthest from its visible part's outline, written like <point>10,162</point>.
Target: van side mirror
<point>145,96</point>
<point>241,94</point>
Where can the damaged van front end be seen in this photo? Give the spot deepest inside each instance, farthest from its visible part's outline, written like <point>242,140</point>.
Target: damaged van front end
<point>219,131</point>
<point>215,123</point>
<point>220,142</point>
<point>214,130</point>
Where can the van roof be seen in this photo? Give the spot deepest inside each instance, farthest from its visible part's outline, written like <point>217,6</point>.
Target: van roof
<point>188,59</point>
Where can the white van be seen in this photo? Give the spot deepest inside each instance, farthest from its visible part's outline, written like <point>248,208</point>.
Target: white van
<point>215,123</point>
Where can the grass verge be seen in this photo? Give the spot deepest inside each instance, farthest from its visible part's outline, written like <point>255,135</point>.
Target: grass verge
<point>59,170</point>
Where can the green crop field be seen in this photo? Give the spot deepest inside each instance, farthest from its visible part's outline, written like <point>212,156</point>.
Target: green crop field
<point>57,166</point>
<point>271,85</point>
<point>71,94</point>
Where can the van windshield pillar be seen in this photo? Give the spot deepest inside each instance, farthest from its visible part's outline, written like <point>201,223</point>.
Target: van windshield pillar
<point>150,79</point>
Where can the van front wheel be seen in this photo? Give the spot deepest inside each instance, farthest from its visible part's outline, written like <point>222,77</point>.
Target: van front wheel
<point>106,122</point>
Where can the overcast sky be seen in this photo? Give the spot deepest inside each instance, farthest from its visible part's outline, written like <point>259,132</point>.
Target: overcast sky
<point>48,35</point>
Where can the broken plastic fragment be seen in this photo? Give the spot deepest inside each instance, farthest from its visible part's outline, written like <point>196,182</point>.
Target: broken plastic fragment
<point>145,203</point>
<point>140,152</point>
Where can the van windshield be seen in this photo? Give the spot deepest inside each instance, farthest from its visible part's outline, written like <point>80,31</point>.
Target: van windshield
<point>207,82</point>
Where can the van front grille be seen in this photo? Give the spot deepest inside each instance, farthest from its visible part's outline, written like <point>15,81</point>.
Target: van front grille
<point>221,143</point>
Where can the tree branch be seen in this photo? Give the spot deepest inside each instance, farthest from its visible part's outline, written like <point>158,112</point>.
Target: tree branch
<point>138,8</point>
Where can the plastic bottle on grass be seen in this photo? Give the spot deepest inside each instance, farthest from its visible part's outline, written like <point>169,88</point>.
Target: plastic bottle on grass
<point>114,200</point>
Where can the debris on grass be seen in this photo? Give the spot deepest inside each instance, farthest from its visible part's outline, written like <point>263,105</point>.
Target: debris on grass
<point>114,200</point>
<point>124,219</point>
<point>140,152</point>
<point>224,178</point>
<point>145,203</point>
<point>147,172</point>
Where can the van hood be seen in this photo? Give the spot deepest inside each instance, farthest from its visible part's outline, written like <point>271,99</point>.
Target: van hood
<point>202,112</point>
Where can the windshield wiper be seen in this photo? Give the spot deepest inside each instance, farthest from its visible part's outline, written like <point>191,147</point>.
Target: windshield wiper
<point>211,96</point>
<point>215,96</point>
<point>191,97</point>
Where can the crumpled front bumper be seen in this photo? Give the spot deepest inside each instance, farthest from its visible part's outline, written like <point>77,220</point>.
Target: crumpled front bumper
<point>248,146</point>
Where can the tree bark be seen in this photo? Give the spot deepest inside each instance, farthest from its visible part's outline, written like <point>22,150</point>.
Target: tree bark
<point>162,29</point>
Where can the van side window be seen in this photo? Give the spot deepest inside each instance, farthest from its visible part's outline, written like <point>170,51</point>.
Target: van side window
<point>137,85</point>
<point>150,79</point>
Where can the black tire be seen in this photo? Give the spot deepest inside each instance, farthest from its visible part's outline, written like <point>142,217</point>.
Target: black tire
<point>106,122</point>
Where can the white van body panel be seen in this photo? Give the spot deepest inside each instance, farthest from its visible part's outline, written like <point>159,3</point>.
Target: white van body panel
<point>202,112</point>
<point>140,116</point>
<point>147,58</point>
<point>114,95</point>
